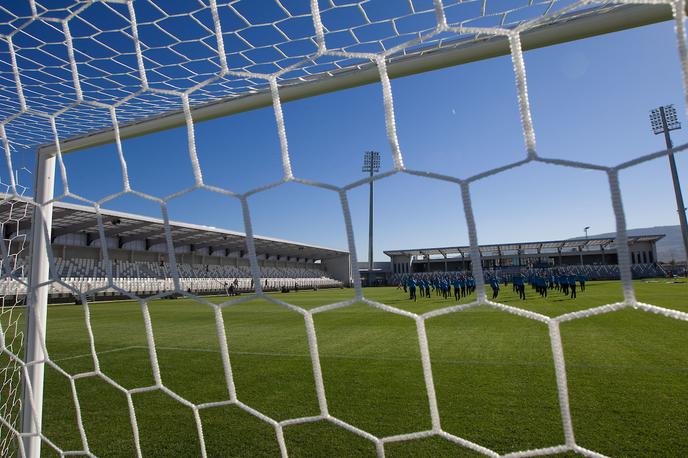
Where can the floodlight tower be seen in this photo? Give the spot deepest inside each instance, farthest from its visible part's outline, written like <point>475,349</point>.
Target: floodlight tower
<point>664,120</point>
<point>371,164</point>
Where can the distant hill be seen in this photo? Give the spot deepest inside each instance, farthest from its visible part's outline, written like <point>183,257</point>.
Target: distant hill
<point>668,248</point>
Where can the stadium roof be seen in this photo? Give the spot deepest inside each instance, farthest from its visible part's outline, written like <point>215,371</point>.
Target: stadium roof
<point>71,219</point>
<point>548,246</point>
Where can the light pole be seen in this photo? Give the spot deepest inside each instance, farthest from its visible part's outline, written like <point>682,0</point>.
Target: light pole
<point>664,120</point>
<point>586,231</point>
<point>371,164</point>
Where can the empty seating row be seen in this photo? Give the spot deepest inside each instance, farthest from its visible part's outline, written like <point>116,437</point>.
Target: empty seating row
<point>149,286</point>
<point>92,268</point>
<point>142,278</point>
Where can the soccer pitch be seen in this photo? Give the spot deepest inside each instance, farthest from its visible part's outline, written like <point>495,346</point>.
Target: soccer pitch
<point>493,372</point>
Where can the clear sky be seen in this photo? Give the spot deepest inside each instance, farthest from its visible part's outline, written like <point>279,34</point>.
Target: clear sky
<point>590,101</point>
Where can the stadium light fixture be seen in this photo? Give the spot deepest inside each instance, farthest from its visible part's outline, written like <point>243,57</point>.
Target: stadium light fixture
<point>371,162</point>
<point>371,165</point>
<point>663,120</point>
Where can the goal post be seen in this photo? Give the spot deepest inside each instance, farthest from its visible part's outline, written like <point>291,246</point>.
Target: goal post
<point>37,305</point>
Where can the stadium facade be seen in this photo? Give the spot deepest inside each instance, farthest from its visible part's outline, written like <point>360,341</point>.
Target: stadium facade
<point>207,259</point>
<point>552,253</point>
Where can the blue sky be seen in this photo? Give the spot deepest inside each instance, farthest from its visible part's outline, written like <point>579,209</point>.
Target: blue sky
<point>590,102</point>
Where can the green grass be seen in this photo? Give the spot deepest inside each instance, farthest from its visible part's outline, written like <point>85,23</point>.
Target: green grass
<point>493,372</point>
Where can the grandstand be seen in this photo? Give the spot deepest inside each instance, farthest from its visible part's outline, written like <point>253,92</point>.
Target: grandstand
<point>594,257</point>
<point>208,260</point>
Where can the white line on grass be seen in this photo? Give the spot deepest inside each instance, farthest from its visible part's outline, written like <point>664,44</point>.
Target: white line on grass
<point>466,362</point>
<point>133,347</point>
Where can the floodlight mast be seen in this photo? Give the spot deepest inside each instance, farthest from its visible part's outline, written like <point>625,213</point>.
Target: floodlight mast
<point>371,165</point>
<point>663,120</point>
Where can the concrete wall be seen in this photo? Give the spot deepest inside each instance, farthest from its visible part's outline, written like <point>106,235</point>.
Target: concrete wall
<point>643,252</point>
<point>400,264</point>
<point>339,268</point>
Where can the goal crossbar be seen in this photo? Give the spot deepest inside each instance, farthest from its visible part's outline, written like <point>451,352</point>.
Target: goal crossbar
<point>568,28</point>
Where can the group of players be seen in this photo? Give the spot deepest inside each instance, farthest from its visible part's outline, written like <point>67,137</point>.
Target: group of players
<point>441,285</point>
<point>464,285</point>
<point>566,284</point>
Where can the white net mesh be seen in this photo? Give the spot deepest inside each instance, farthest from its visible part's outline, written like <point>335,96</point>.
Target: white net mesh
<point>13,294</point>
<point>80,67</point>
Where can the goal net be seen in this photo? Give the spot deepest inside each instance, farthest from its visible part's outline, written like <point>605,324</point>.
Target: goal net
<point>13,287</point>
<point>78,74</point>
